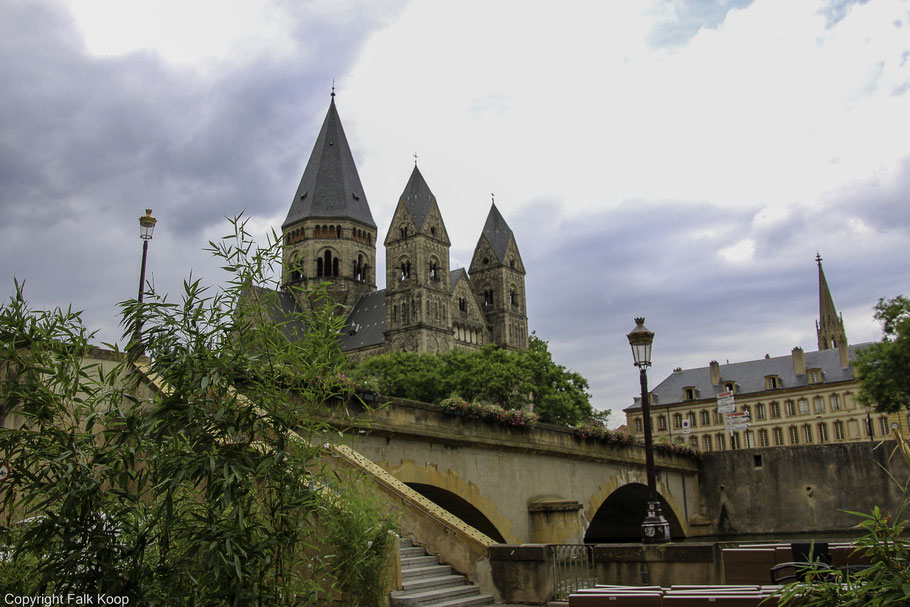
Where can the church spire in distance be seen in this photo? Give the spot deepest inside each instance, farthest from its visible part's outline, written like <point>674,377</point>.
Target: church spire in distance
<point>830,325</point>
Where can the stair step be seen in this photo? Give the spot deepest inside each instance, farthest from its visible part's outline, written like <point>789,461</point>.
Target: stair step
<point>403,598</point>
<point>417,573</point>
<point>471,601</point>
<point>412,551</point>
<point>418,561</point>
<point>405,542</point>
<point>434,582</point>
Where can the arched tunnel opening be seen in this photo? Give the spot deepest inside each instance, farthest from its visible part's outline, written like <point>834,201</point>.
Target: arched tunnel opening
<point>619,518</point>
<point>458,506</point>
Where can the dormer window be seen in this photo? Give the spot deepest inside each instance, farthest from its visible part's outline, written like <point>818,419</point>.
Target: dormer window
<point>815,376</point>
<point>689,393</point>
<point>730,386</point>
<point>462,304</point>
<point>772,382</point>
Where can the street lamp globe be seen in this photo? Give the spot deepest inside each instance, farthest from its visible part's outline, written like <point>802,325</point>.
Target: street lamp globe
<point>147,225</point>
<point>641,339</point>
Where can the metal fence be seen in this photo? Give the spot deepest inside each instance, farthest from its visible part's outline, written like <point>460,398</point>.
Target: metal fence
<point>573,565</point>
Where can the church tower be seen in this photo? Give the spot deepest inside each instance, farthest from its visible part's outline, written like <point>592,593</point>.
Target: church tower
<point>830,325</point>
<point>498,274</point>
<point>329,234</point>
<point>417,273</point>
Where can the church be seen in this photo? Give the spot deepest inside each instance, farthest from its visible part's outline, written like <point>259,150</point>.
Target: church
<point>329,236</point>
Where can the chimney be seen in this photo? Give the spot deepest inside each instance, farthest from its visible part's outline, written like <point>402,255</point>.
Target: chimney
<point>715,373</point>
<point>844,353</point>
<point>799,361</point>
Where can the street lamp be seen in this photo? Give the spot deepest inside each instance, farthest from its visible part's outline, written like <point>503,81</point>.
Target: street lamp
<point>655,528</point>
<point>146,229</point>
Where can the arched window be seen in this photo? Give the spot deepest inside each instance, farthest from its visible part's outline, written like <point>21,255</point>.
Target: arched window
<point>335,267</point>
<point>692,419</point>
<point>822,432</point>
<point>778,437</point>
<point>327,263</point>
<point>705,417</point>
<point>807,433</point>
<point>750,439</point>
<point>338,232</point>
<point>405,269</point>
<point>513,297</point>
<point>638,424</point>
<point>706,442</point>
<point>794,435</point>
<point>721,441</point>
<point>760,411</point>
<point>677,420</point>
<point>763,438</point>
<point>319,269</point>
<point>819,403</point>
<point>661,422</point>
<point>434,270</point>
<point>775,409</point>
<point>488,298</point>
<point>839,433</point>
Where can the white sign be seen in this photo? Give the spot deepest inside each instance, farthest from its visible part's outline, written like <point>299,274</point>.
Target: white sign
<point>726,408</point>
<point>685,427</point>
<point>4,472</point>
<point>739,426</point>
<point>725,398</point>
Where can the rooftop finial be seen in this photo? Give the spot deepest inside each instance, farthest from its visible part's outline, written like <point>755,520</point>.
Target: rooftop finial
<point>492,198</point>
<point>818,258</point>
<point>415,159</point>
<point>333,89</point>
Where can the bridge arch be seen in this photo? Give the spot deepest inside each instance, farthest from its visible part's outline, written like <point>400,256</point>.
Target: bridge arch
<point>451,489</point>
<point>620,516</point>
<point>459,507</point>
<point>628,490</point>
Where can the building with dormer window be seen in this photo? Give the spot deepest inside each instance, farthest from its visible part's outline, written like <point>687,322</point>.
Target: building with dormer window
<point>803,398</point>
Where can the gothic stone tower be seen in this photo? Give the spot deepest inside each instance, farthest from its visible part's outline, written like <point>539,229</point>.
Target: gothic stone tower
<point>417,273</point>
<point>498,275</point>
<point>329,234</point>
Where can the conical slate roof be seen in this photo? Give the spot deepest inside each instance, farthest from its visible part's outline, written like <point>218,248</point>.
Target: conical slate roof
<point>417,198</point>
<point>497,232</point>
<point>330,186</point>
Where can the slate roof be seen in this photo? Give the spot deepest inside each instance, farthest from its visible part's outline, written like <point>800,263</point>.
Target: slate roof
<point>497,232</point>
<point>282,308</point>
<point>330,186</point>
<point>365,325</point>
<point>750,376</point>
<point>454,276</point>
<point>417,198</point>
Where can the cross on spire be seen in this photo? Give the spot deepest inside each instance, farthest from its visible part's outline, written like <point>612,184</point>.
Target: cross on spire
<point>492,198</point>
<point>333,88</point>
<point>415,159</point>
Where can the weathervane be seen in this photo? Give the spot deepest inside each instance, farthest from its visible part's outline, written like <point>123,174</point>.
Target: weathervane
<point>333,88</point>
<point>493,197</point>
<point>415,159</point>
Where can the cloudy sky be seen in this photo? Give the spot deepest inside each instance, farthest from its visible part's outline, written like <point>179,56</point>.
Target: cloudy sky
<point>675,159</point>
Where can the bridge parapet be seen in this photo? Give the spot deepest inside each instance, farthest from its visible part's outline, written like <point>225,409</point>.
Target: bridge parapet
<point>426,422</point>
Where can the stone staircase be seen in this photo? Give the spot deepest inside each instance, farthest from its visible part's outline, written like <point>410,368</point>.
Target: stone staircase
<point>427,582</point>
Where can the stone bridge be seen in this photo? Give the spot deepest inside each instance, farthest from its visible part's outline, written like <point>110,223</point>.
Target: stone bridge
<point>538,485</point>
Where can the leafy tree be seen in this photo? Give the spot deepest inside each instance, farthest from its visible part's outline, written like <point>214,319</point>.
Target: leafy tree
<point>510,378</point>
<point>202,491</point>
<point>884,368</point>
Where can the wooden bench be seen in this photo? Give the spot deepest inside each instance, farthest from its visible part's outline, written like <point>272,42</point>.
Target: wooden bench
<point>748,565</point>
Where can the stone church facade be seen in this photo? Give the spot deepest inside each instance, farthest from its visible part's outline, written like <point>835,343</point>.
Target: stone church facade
<point>329,236</point>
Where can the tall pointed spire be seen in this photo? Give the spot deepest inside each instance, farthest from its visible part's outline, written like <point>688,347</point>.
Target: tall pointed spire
<point>417,198</point>
<point>330,186</point>
<point>497,232</point>
<point>830,326</point>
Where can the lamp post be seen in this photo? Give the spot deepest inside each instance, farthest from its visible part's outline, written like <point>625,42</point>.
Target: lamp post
<point>654,528</point>
<point>146,229</point>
